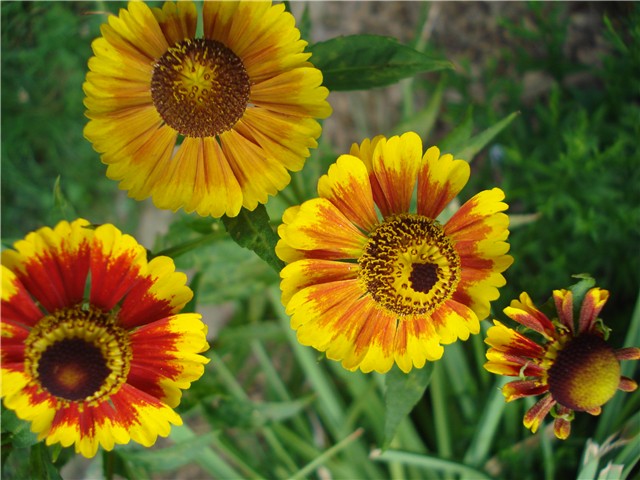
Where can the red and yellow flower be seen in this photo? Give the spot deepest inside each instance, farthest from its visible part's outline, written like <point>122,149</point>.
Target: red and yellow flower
<point>241,102</point>
<point>573,366</point>
<point>94,351</point>
<point>370,283</point>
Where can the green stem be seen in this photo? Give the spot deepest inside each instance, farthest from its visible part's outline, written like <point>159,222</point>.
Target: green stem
<point>275,382</point>
<point>440,415</point>
<point>227,377</point>
<point>108,459</point>
<point>329,405</point>
<point>487,426</point>
<point>209,459</point>
<point>322,459</point>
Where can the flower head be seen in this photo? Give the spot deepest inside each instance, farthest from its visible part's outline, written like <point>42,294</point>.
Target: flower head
<point>94,351</point>
<point>573,366</point>
<point>243,99</point>
<point>371,282</point>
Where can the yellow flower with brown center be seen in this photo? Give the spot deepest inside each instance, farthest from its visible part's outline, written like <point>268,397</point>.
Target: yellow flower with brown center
<point>576,369</point>
<point>370,281</point>
<point>239,104</point>
<point>94,351</point>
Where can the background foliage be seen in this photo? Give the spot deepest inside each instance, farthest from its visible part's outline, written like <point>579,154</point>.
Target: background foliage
<point>565,155</point>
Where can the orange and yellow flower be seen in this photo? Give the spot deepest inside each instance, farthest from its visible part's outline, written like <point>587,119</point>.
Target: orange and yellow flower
<point>573,366</point>
<point>241,102</point>
<point>94,351</point>
<point>370,283</point>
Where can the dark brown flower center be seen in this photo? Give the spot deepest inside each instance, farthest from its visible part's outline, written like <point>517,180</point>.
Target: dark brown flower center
<point>73,369</point>
<point>586,373</point>
<point>423,276</point>
<point>409,265</point>
<point>78,354</point>
<point>200,87</point>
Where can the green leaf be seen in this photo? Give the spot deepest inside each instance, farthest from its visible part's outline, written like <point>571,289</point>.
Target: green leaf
<point>235,413</point>
<point>402,393</point>
<point>40,464</point>
<point>360,62</point>
<point>252,230</point>
<point>15,431</point>
<point>170,458</point>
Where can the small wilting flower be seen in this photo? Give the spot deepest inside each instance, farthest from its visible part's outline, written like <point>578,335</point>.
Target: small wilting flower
<point>572,364</point>
<point>241,102</point>
<point>371,281</point>
<point>94,351</point>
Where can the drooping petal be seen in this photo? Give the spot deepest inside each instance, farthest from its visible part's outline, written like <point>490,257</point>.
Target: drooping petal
<point>536,414</point>
<point>562,422</point>
<point>507,340</point>
<point>510,364</point>
<point>627,384</point>
<point>629,353</point>
<point>523,388</point>
<point>524,312</point>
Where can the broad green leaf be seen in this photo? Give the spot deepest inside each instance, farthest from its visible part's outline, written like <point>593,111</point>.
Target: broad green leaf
<point>16,432</point>
<point>403,390</point>
<point>360,62</point>
<point>252,230</point>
